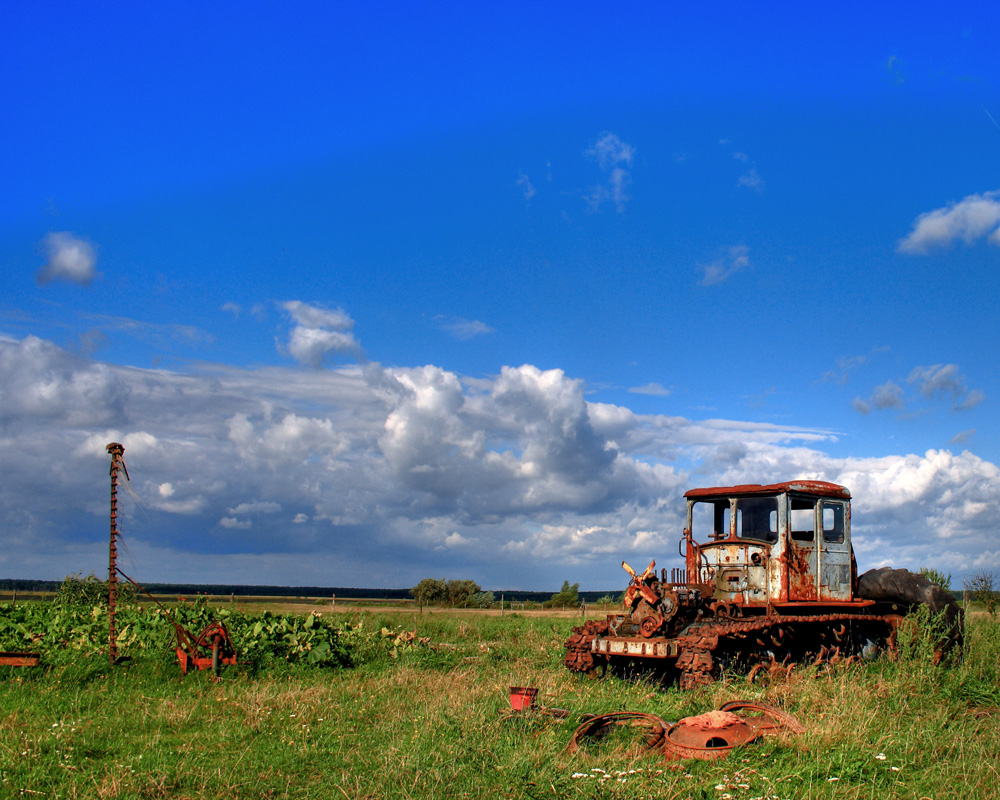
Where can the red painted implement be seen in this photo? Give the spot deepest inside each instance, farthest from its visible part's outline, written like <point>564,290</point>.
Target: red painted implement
<point>211,649</point>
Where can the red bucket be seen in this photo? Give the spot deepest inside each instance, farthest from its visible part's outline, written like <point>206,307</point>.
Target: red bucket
<point>522,697</point>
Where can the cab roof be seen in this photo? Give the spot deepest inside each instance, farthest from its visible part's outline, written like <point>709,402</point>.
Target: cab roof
<point>806,487</point>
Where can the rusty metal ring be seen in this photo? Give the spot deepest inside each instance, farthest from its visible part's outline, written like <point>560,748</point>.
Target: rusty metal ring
<point>595,727</point>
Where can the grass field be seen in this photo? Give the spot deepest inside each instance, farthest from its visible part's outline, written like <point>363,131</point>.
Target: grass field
<point>432,722</point>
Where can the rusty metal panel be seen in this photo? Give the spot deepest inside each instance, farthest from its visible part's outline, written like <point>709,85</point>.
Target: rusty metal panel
<point>640,648</point>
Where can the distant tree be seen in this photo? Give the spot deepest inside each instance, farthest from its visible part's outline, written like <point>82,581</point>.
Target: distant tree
<point>942,580</point>
<point>461,592</point>
<point>983,590</point>
<point>482,600</point>
<point>569,595</point>
<point>429,591</point>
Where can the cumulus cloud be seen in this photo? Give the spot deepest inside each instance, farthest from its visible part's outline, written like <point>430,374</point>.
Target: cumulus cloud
<point>42,381</point>
<point>319,331</point>
<point>70,259</point>
<point>612,156</point>
<point>975,217</point>
<point>722,269</point>
<point>406,472</point>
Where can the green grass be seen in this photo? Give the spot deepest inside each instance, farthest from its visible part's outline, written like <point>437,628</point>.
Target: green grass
<point>432,722</point>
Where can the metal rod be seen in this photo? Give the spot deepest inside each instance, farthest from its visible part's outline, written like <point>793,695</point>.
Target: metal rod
<point>116,452</point>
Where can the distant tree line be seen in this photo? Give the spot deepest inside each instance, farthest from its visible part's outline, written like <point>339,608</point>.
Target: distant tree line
<point>468,594</point>
<point>347,593</point>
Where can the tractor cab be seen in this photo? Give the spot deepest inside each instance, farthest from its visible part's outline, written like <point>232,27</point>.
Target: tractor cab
<point>756,545</point>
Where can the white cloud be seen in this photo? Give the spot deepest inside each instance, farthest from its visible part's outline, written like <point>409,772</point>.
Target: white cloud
<point>609,151</point>
<point>751,180</point>
<point>975,217</point>
<point>319,331</point>
<point>722,269</point>
<point>395,463</point>
<point>232,308</point>
<point>612,156</point>
<point>455,539</point>
<point>655,389</point>
<point>70,259</point>
<point>259,507</point>
<point>312,316</point>
<point>525,184</point>
<point>464,329</point>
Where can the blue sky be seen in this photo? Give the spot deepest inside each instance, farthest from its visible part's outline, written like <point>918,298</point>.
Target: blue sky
<point>376,292</point>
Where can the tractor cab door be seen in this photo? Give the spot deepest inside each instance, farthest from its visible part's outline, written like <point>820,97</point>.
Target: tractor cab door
<point>835,549</point>
<point>803,550</point>
<point>819,549</point>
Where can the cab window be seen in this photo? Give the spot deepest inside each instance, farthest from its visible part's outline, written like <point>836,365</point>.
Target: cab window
<point>833,522</point>
<point>757,518</point>
<point>802,519</point>
<point>710,520</point>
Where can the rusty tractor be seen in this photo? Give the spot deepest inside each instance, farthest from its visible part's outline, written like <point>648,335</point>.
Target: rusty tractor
<point>769,582</point>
